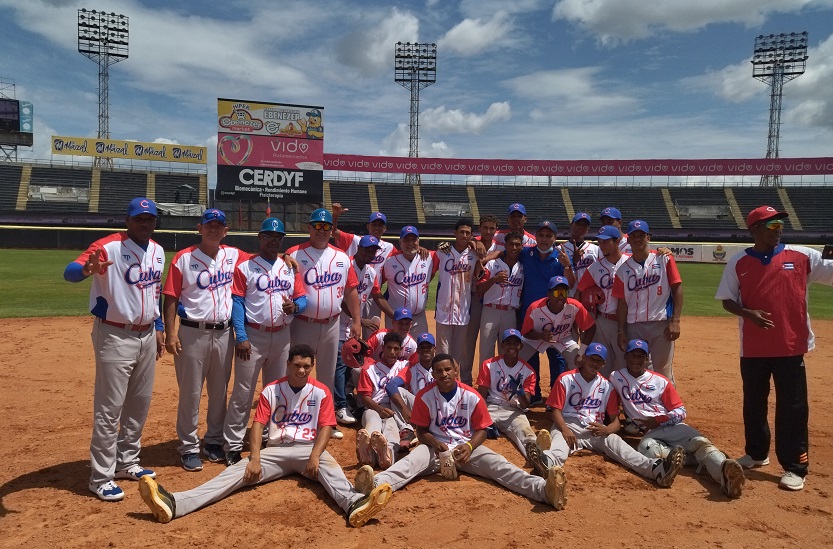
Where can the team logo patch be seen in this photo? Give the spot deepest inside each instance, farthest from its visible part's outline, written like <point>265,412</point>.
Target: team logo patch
<point>195,267</point>
<point>126,257</point>
<point>304,262</point>
<point>568,316</point>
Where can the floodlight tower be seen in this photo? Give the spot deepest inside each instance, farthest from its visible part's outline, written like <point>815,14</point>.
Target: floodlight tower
<point>415,68</point>
<point>8,152</point>
<point>778,58</point>
<point>103,38</point>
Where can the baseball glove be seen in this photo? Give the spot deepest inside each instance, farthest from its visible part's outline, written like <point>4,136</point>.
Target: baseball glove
<point>591,297</point>
<point>448,467</point>
<point>356,353</point>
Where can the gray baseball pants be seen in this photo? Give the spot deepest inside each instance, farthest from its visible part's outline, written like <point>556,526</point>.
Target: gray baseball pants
<point>661,358</point>
<point>607,333</point>
<point>323,338</point>
<point>493,323</point>
<point>451,339</point>
<point>472,331</point>
<point>658,442</point>
<point>513,423</point>
<point>389,427</point>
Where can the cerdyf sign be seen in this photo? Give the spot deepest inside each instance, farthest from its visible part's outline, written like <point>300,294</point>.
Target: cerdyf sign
<point>277,184</point>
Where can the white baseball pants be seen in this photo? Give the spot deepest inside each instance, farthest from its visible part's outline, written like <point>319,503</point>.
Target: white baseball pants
<point>661,357</point>
<point>513,423</point>
<point>451,339</point>
<point>323,338</point>
<point>658,442</point>
<point>493,323</point>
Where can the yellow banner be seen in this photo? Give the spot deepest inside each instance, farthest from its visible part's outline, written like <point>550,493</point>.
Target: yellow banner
<point>133,150</point>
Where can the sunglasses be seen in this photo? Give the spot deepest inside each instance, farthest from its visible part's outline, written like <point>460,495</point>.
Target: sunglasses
<point>271,237</point>
<point>559,292</point>
<point>774,225</point>
<point>321,226</point>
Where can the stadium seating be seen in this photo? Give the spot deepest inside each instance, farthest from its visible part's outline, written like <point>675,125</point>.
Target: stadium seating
<point>397,203</point>
<point>9,184</point>
<point>749,198</point>
<point>811,205</point>
<point>354,197</point>
<point>120,187</point>
<point>633,202</point>
<point>704,197</point>
<point>445,204</point>
<point>65,190</point>
<point>177,188</point>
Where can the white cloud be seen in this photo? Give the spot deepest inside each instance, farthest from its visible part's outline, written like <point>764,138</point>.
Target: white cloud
<point>483,8</point>
<point>474,36</point>
<point>369,48</point>
<point>614,21</point>
<point>456,121</point>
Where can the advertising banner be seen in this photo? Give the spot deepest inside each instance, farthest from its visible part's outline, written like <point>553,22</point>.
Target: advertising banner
<point>253,183</point>
<point>131,150</point>
<point>271,119</point>
<point>269,152</point>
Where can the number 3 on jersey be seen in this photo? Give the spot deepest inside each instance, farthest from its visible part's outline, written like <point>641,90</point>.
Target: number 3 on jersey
<point>309,434</point>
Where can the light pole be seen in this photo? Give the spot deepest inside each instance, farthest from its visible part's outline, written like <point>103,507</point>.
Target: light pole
<point>778,58</point>
<point>103,38</point>
<point>415,68</point>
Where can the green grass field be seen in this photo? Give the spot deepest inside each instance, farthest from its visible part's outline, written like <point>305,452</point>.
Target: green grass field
<point>34,286</point>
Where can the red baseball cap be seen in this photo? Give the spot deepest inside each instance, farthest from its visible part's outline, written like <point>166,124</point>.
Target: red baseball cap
<point>764,213</point>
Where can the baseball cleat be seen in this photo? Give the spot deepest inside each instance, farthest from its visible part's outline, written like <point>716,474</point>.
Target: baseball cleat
<point>160,501</point>
<point>748,463</point>
<point>364,479</point>
<point>364,453</point>
<point>335,434</point>
<point>214,453</point>
<point>135,472</point>
<point>367,507</point>
<point>107,491</point>
<point>544,439</point>
<point>733,479</point>
<point>556,487</point>
<point>536,457</point>
<point>791,481</point>
<point>666,469</point>
<point>407,439</point>
<point>380,447</point>
<point>232,457</point>
<point>344,417</point>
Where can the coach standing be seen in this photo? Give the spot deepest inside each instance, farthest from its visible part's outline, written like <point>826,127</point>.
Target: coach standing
<point>766,286</point>
<point>124,299</point>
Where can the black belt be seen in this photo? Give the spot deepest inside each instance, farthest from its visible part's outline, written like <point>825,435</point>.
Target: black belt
<point>204,325</point>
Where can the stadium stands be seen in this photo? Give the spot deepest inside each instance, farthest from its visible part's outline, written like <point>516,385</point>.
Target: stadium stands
<point>445,204</point>
<point>707,208</point>
<point>9,184</point>
<point>59,190</point>
<point>633,202</point>
<point>812,206</point>
<point>177,188</point>
<point>119,187</point>
<point>397,203</point>
<point>354,197</point>
<point>749,198</point>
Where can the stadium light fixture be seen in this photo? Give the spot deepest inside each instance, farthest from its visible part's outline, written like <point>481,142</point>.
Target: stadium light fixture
<point>415,68</point>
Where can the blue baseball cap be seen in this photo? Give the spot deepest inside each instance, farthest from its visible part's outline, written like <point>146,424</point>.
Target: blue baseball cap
<point>581,216</point>
<point>314,112</point>
<point>369,241</point>
<point>272,225</point>
<point>321,214</point>
<point>377,216</point>
<point>516,208</point>
<point>547,225</point>
<point>596,349</point>
<point>140,206</point>
<point>558,281</point>
<point>637,345</point>
<point>410,229</point>
<point>638,225</point>
<point>511,332</point>
<point>402,313</point>
<point>213,214</point>
<point>611,212</point>
<point>608,231</point>
<point>426,338</point>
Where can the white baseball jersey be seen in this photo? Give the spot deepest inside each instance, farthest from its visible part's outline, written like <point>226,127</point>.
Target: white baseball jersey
<point>495,374</point>
<point>649,395</point>
<point>582,401</point>
<point>203,284</point>
<point>368,279</point>
<point>408,280</point>
<point>128,290</point>
<point>602,273</point>
<point>647,288</point>
<point>377,345</point>
<point>375,378</point>
<point>266,286</point>
<point>455,272</point>
<point>416,377</point>
<point>540,319</point>
<point>349,243</point>
<point>500,238</point>
<point>493,246</point>
<point>326,274</point>
<point>295,416</point>
<point>623,244</point>
<point>507,293</point>
<point>590,253</point>
<point>452,421</point>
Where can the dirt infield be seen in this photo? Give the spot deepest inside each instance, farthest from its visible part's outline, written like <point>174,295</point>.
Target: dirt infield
<point>46,401</point>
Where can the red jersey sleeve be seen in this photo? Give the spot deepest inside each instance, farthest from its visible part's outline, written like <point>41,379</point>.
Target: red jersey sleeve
<point>671,398</point>
<point>612,408</point>
<point>583,318</point>
<point>365,384</point>
<point>298,290</point>
<point>435,263</point>
<point>263,411</point>
<point>97,245</point>
<point>480,418</point>
<point>326,411</point>
<point>672,272</point>
<point>586,281</point>
<point>376,290</point>
<point>173,284</point>
<point>618,288</point>
<point>529,382</point>
<point>484,376</point>
<point>420,417</point>
<point>528,325</point>
<point>344,240</point>
<point>238,285</point>
<point>558,394</point>
<point>352,279</point>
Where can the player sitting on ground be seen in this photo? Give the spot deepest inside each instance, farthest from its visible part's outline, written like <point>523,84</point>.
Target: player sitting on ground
<point>507,383</point>
<point>299,413</point>
<point>402,323</point>
<point>652,402</point>
<point>380,424</point>
<point>451,419</point>
<point>579,400</point>
<point>403,388</point>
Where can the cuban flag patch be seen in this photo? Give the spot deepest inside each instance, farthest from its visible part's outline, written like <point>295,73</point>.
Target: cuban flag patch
<point>789,266</point>
<point>464,406</point>
<point>311,402</point>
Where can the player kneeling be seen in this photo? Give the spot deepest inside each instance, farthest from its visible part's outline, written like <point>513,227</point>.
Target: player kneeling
<point>653,404</point>
<point>300,416</point>
<point>451,420</point>
<point>579,400</point>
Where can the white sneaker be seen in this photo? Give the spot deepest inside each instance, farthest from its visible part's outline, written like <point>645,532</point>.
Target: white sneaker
<point>108,491</point>
<point>343,416</point>
<point>135,472</point>
<point>748,463</point>
<point>336,434</point>
<point>791,481</point>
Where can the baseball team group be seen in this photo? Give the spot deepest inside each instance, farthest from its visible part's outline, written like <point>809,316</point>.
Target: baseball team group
<point>607,314</point>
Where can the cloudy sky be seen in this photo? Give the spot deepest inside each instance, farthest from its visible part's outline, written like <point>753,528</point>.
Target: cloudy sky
<point>516,79</point>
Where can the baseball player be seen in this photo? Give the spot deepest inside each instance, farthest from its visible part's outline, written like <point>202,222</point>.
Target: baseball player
<point>500,289</point>
<point>408,277</point>
<point>612,216</point>
<point>403,388</point>
<point>329,281</point>
<point>127,339</point>
<point>198,289</point>
<point>549,323</point>
<point>515,220</point>
<point>457,269</point>
<point>350,243</point>
<point>266,294</point>
<point>651,401</point>
<point>766,286</point>
<point>579,400</point>
<point>298,412</point>
<point>582,254</point>
<point>507,383</point>
<point>595,289</point>
<point>380,426</point>
<point>650,293</point>
<point>369,293</point>
<point>402,323</point>
<point>451,420</point>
